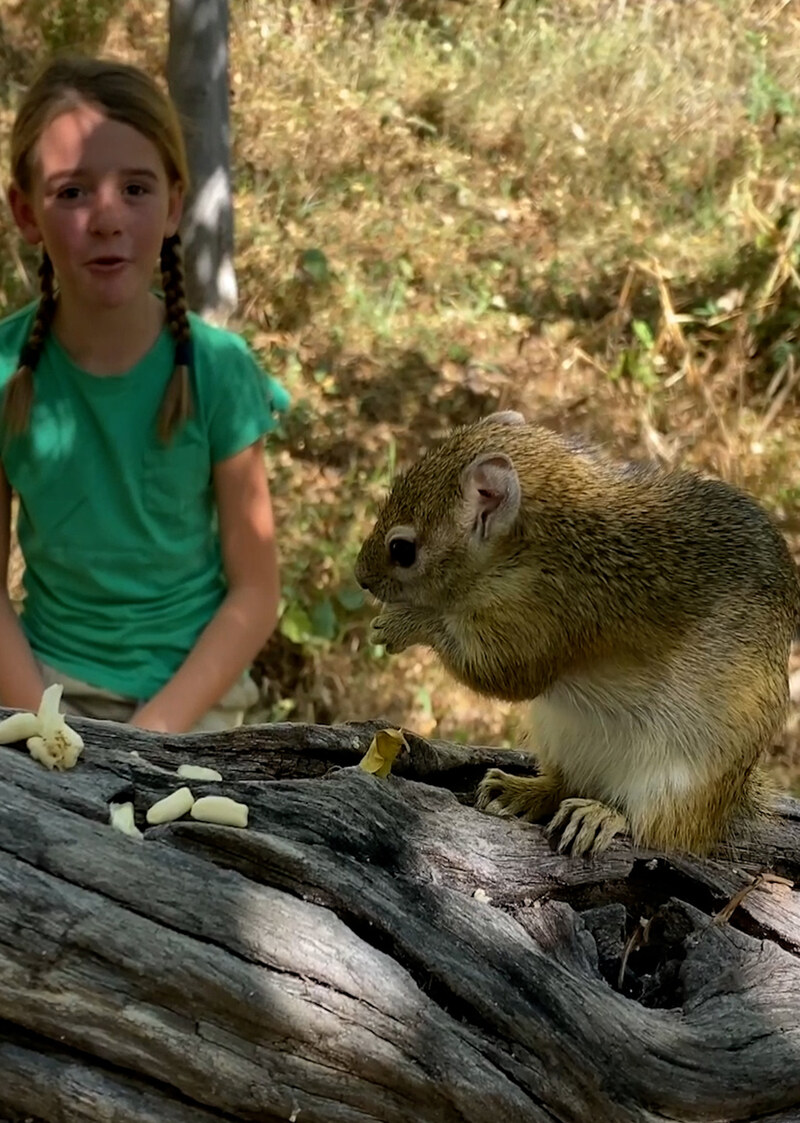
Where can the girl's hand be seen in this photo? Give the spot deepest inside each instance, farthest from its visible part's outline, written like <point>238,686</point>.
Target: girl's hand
<point>148,718</point>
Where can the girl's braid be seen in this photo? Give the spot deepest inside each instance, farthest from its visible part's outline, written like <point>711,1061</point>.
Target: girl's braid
<point>177,403</point>
<point>18,397</point>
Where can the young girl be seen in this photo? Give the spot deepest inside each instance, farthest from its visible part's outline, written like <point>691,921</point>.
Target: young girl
<point>131,430</point>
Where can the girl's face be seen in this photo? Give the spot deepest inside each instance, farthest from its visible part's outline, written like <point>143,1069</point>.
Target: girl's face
<point>101,204</point>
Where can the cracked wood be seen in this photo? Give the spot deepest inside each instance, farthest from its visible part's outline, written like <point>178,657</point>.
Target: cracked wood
<point>332,963</point>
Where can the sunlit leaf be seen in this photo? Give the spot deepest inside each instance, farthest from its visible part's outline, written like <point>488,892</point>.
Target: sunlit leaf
<point>381,754</point>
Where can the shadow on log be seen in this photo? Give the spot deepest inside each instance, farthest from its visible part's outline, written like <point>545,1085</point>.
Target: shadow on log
<point>375,950</point>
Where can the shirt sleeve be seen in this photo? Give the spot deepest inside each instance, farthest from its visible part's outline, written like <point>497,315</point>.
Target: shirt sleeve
<point>246,401</point>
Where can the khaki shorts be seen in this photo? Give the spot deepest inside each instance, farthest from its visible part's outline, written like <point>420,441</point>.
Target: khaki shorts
<point>82,700</point>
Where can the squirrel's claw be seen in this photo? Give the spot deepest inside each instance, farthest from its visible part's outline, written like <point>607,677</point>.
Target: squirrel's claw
<point>380,634</point>
<point>399,626</point>
<point>587,826</point>
<point>524,797</point>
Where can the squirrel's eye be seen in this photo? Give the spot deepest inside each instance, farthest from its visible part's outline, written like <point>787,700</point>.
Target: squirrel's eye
<point>402,552</point>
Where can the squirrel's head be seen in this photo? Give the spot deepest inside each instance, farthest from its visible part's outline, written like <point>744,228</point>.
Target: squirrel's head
<point>455,515</point>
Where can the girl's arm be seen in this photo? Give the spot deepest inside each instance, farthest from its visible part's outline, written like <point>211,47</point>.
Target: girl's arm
<point>21,684</point>
<point>246,617</point>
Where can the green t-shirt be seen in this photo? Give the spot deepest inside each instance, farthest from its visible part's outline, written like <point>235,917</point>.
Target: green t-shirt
<point>119,531</point>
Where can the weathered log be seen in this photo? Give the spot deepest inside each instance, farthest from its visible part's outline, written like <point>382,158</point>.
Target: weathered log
<point>375,950</point>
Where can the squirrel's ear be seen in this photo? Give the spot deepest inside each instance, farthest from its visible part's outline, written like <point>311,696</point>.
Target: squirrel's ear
<point>490,486</point>
<point>504,417</point>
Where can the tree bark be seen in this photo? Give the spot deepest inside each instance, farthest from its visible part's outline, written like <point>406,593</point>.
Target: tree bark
<point>375,950</point>
<point>197,73</point>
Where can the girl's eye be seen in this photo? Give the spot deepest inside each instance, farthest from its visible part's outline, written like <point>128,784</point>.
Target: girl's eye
<point>68,193</point>
<point>136,190</point>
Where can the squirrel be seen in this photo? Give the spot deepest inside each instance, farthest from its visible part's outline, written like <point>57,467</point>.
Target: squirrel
<point>645,613</point>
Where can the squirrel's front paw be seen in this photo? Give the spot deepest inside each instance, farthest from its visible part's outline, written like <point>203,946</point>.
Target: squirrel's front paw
<point>398,627</point>
<point>524,797</point>
<point>390,631</point>
<point>587,826</point>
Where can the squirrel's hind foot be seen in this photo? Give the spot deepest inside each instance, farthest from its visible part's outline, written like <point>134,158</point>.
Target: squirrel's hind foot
<point>586,826</point>
<point>523,797</point>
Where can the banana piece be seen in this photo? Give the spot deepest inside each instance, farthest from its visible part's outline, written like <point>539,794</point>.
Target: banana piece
<point>39,751</point>
<point>120,815</point>
<point>52,723</point>
<point>220,809</point>
<point>170,807</point>
<point>48,737</point>
<point>197,772</point>
<point>18,727</point>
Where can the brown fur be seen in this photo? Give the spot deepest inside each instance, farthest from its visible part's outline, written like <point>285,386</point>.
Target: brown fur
<point>647,613</point>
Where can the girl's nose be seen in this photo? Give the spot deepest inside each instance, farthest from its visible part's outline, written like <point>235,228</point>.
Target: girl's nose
<point>106,216</point>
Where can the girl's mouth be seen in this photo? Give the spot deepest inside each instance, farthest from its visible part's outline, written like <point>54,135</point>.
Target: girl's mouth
<point>107,266</point>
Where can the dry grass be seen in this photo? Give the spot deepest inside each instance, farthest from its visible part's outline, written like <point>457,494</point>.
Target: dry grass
<point>582,209</point>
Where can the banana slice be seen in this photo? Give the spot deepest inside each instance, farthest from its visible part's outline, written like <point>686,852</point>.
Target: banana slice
<point>18,727</point>
<point>48,737</point>
<point>171,807</point>
<point>220,809</point>
<point>120,815</point>
<point>197,772</point>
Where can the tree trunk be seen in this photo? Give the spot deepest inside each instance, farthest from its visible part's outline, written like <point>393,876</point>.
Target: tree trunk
<point>375,950</point>
<point>197,72</point>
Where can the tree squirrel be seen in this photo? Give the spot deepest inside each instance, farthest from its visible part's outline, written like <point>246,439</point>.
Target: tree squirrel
<point>646,613</point>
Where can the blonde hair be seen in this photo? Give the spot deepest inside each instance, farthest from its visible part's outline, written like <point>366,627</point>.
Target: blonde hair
<point>126,94</point>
